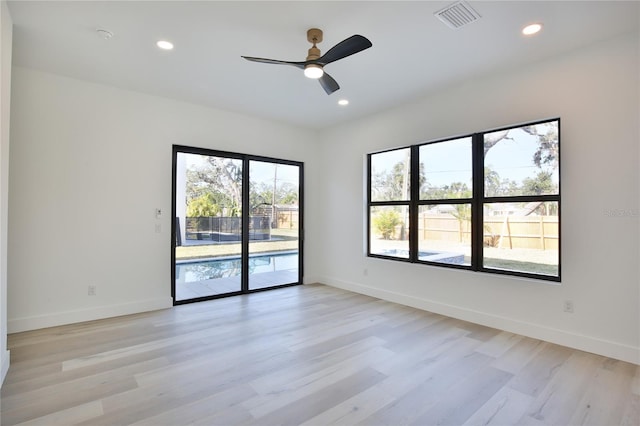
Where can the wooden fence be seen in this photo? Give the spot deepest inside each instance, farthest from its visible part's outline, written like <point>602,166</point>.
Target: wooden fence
<point>534,232</point>
<point>287,219</point>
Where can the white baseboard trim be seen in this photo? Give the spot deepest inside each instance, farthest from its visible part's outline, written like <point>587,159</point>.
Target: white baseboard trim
<point>17,325</point>
<point>584,343</point>
<point>6,357</point>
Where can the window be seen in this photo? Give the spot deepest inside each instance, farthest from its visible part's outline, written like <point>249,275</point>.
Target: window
<point>390,192</point>
<point>488,202</point>
<point>444,211</point>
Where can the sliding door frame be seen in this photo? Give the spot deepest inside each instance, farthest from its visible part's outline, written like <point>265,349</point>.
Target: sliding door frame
<point>246,216</point>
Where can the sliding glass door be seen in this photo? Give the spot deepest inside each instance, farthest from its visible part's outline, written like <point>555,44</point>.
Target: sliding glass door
<point>237,224</point>
<point>274,230</point>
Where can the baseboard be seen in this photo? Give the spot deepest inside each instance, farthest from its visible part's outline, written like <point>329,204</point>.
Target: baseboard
<point>17,325</point>
<point>310,280</point>
<point>6,357</point>
<point>585,343</point>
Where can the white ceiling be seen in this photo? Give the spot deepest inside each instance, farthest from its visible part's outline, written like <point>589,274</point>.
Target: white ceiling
<point>413,53</point>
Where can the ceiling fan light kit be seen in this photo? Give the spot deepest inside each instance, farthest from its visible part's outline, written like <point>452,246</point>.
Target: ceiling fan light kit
<point>313,66</point>
<point>313,71</point>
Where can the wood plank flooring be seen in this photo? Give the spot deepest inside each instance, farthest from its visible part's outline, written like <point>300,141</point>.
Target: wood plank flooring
<point>311,355</point>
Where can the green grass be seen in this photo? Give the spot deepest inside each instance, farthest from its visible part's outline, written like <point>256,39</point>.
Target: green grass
<point>283,240</point>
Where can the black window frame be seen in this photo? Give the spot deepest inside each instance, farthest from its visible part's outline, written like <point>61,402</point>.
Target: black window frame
<point>477,201</point>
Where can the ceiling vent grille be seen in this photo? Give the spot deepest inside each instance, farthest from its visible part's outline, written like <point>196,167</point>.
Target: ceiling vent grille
<point>457,15</point>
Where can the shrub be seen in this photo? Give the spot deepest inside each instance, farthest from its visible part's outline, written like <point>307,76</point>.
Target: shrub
<point>385,223</point>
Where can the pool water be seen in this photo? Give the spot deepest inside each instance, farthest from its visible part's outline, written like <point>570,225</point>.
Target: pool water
<point>223,268</point>
<point>431,256</point>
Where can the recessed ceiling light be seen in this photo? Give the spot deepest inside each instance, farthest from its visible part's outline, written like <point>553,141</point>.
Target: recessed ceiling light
<point>165,45</point>
<point>343,102</point>
<point>531,29</point>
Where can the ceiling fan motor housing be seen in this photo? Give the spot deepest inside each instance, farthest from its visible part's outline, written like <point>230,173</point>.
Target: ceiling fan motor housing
<point>314,53</point>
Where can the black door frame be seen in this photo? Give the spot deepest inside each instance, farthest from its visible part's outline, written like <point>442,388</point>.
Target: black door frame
<point>246,158</point>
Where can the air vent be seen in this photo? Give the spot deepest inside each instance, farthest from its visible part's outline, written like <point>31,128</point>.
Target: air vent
<point>457,15</point>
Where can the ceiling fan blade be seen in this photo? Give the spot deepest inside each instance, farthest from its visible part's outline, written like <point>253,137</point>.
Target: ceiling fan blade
<point>328,83</point>
<point>275,61</point>
<point>347,47</point>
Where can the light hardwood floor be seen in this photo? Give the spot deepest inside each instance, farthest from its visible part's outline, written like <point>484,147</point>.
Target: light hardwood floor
<point>311,355</point>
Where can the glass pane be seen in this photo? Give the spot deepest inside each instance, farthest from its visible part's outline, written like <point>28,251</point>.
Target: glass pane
<point>390,178</point>
<point>389,233</point>
<point>274,193</point>
<point>209,225</point>
<point>522,237</point>
<point>444,233</point>
<point>445,170</point>
<point>522,161</point>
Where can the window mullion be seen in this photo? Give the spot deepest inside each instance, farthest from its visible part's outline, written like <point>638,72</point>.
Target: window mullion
<point>369,204</point>
<point>477,229</point>
<point>413,203</point>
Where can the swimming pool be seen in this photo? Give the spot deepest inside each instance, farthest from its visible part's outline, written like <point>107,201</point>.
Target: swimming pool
<point>208,269</point>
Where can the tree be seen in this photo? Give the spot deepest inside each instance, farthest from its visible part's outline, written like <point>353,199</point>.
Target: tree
<point>261,194</point>
<point>395,185</point>
<point>287,193</point>
<point>545,157</point>
<point>540,185</point>
<point>494,186</point>
<point>221,177</point>
<point>548,148</point>
<point>454,190</point>
<point>491,182</point>
<point>491,139</point>
<point>203,206</point>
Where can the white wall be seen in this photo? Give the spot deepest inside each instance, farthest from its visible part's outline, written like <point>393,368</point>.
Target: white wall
<point>595,92</point>
<point>89,165</point>
<point>6,35</point>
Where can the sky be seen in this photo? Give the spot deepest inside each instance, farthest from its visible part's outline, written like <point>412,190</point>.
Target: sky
<point>450,162</point>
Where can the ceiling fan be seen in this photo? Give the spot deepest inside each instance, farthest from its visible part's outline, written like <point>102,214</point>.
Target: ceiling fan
<point>313,66</point>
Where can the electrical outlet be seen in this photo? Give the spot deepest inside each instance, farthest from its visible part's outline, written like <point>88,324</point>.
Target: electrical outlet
<point>158,228</point>
<point>365,272</point>
<point>568,306</point>
<point>91,290</point>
